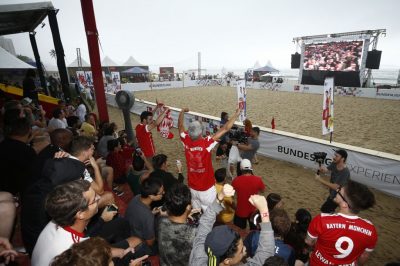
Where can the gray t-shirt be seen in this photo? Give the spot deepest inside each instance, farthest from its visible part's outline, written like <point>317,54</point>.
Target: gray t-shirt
<point>338,177</point>
<point>175,242</point>
<point>141,219</point>
<point>255,144</point>
<point>102,146</point>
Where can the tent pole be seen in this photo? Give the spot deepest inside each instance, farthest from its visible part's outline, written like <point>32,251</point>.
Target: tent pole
<point>94,54</point>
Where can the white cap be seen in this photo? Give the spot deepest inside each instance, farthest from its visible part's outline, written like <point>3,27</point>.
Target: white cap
<point>245,164</point>
<point>26,101</point>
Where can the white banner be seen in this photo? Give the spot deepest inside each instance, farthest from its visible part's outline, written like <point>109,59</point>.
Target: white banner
<point>380,172</point>
<point>327,107</point>
<point>241,96</point>
<point>116,82</point>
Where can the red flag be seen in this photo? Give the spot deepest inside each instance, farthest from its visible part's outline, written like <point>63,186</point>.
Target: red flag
<point>273,123</point>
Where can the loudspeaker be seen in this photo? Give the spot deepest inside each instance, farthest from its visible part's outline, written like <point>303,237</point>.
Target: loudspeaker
<point>295,63</point>
<point>373,59</point>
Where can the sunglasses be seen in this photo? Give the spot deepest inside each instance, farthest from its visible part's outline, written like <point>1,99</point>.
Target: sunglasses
<point>340,194</point>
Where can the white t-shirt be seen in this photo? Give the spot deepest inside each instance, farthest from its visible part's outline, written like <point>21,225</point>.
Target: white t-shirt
<point>53,241</point>
<point>81,112</point>
<point>55,123</point>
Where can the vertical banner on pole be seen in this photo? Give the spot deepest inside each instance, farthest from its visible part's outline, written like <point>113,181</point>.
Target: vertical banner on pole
<point>327,107</point>
<point>241,96</point>
<point>116,82</point>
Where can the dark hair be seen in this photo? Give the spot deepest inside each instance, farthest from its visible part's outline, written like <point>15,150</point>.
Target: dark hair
<point>275,261</point>
<point>223,114</point>
<point>80,144</point>
<point>233,248</point>
<point>92,252</point>
<point>19,127</point>
<point>280,222</point>
<point>144,115</point>
<point>65,200</point>
<point>73,120</point>
<point>177,198</point>
<point>112,144</point>
<point>220,175</point>
<point>108,130</point>
<point>359,196</point>
<point>137,163</point>
<point>272,200</point>
<point>61,137</point>
<point>57,112</point>
<point>158,160</point>
<point>257,130</point>
<point>303,218</point>
<point>11,115</point>
<point>150,186</point>
<point>122,141</point>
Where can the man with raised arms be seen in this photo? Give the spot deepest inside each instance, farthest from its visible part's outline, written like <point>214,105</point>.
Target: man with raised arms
<point>198,159</point>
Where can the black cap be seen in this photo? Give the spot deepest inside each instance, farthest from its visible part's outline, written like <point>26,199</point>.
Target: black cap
<point>342,153</point>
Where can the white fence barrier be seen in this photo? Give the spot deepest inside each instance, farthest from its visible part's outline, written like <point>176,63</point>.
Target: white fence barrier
<point>373,168</point>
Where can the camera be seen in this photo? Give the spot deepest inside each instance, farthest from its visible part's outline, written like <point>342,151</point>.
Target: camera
<point>194,219</point>
<point>319,157</point>
<point>238,134</point>
<point>138,152</point>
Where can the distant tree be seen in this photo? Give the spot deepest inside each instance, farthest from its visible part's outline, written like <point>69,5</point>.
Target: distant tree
<point>53,53</point>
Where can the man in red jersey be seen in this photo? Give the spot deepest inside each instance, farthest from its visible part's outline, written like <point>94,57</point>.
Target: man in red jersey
<point>246,185</point>
<point>198,159</point>
<point>143,131</point>
<point>344,238</point>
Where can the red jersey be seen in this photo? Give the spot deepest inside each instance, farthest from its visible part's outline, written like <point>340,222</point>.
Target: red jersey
<point>341,239</point>
<point>145,140</point>
<point>198,160</point>
<point>245,186</point>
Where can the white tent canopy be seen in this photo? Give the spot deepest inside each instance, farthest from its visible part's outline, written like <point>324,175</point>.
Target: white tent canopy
<point>107,61</point>
<point>132,62</point>
<point>75,63</point>
<point>8,61</point>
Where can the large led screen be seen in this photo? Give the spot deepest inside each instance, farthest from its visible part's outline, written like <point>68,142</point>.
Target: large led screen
<point>341,60</point>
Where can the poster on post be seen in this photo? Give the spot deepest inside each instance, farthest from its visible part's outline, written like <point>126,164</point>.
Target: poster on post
<point>241,96</point>
<point>327,107</point>
<point>89,78</point>
<point>116,82</point>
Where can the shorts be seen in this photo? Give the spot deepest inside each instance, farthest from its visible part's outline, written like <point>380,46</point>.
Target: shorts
<point>203,199</point>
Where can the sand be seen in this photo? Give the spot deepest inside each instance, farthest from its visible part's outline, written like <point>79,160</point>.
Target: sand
<point>362,122</point>
<point>293,112</point>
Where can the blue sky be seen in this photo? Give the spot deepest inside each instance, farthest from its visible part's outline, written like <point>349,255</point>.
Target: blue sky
<point>231,34</point>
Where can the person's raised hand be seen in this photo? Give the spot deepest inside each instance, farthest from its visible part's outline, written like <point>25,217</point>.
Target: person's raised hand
<point>185,110</point>
<point>227,191</point>
<point>260,202</point>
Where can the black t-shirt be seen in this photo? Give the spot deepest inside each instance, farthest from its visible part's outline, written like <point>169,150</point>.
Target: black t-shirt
<point>16,162</point>
<point>47,153</point>
<point>29,89</point>
<point>168,181</point>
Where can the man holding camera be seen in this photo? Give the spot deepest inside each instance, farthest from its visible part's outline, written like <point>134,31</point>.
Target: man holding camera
<point>248,150</point>
<point>340,175</point>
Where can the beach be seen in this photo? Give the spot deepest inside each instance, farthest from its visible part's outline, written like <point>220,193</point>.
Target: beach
<point>361,122</point>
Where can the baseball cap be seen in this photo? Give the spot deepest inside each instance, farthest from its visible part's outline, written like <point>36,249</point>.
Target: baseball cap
<point>26,101</point>
<point>342,153</point>
<point>245,164</point>
<point>217,243</point>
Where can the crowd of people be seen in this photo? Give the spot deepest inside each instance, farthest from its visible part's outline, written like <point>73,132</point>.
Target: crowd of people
<point>67,173</point>
<point>336,56</point>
